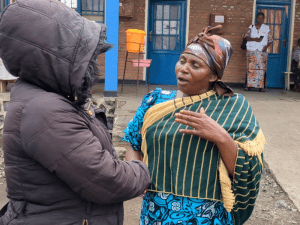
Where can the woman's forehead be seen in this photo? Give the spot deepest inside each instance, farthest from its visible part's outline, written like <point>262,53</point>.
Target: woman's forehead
<point>191,57</point>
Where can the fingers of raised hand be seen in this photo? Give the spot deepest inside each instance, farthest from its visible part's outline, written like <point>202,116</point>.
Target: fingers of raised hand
<point>191,132</point>
<point>188,117</point>
<point>187,122</point>
<point>193,114</point>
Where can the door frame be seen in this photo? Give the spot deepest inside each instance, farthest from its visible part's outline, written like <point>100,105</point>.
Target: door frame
<point>290,25</point>
<point>147,8</point>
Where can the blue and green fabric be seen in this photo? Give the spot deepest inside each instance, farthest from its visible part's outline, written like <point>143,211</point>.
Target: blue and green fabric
<point>189,168</point>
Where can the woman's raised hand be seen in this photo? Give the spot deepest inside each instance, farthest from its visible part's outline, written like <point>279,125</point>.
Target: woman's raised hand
<point>258,39</point>
<point>204,126</point>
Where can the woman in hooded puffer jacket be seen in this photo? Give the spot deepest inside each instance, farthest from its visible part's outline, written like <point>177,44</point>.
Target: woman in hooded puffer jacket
<point>60,164</point>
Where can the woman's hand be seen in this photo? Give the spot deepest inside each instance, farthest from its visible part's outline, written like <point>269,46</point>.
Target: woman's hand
<point>204,126</point>
<point>254,39</point>
<point>258,39</point>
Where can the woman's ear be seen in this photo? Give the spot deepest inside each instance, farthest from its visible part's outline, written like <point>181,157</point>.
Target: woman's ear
<point>213,78</point>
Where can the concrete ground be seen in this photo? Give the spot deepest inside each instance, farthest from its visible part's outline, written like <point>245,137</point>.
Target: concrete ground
<point>277,112</point>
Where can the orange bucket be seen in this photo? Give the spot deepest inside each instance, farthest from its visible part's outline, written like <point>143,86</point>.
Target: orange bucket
<point>134,39</point>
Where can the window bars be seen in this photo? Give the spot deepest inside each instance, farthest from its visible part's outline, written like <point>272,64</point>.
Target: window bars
<point>92,9</point>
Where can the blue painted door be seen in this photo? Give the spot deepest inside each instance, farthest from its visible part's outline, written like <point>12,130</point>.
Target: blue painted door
<point>277,19</point>
<point>166,39</point>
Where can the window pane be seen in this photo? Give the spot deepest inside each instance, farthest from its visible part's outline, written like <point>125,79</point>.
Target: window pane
<point>276,46</point>
<point>265,11</point>
<point>70,3</point>
<point>277,32</point>
<point>158,42</point>
<point>2,5</point>
<point>166,25</point>
<point>174,10</point>
<point>159,12</point>
<point>271,30</point>
<point>166,12</point>
<point>84,5</point>
<point>166,42</point>
<point>270,49</point>
<point>278,16</point>
<point>271,16</point>
<point>173,42</point>
<point>93,7</point>
<point>158,27</point>
<point>173,27</point>
<point>102,5</point>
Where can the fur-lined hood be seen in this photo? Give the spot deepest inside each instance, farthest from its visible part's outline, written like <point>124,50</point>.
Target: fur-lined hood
<point>48,44</point>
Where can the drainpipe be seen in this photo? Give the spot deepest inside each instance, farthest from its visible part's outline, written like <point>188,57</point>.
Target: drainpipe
<point>289,61</point>
<point>112,56</point>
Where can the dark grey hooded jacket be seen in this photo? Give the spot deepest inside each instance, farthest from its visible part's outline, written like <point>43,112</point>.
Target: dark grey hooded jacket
<point>60,165</point>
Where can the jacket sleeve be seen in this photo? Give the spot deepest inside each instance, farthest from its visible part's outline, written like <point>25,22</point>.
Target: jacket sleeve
<point>55,135</point>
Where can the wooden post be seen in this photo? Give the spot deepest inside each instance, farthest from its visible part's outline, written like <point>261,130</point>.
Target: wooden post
<point>3,86</point>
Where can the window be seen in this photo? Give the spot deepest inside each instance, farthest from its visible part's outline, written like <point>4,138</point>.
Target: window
<point>90,9</point>
<point>93,8</point>
<point>274,18</point>
<point>71,3</point>
<point>167,26</point>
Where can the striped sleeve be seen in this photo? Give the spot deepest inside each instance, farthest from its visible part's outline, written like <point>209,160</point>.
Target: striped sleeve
<point>246,183</point>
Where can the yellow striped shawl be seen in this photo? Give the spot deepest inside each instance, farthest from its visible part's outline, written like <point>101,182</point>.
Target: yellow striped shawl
<point>234,114</point>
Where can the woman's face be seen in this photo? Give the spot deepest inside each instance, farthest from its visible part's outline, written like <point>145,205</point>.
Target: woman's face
<point>260,19</point>
<point>194,77</point>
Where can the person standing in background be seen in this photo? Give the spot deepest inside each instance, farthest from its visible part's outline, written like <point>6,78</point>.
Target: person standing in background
<point>259,39</point>
<point>296,66</point>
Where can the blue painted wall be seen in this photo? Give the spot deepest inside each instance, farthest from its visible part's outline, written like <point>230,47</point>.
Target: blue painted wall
<point>111,57</point>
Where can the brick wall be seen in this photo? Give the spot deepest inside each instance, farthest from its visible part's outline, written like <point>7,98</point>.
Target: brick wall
<point>297,22</point>
<point>137,22</point>
<point>239,17</point>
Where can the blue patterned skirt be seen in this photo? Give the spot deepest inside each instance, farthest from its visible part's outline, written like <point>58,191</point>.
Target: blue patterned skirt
<point>168,209</point>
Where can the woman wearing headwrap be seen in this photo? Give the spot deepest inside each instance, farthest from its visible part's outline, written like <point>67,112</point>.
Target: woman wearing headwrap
<point>259,39</point>
<point>202,143</point>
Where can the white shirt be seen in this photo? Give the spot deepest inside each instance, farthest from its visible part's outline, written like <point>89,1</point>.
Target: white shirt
<point>263,31</point>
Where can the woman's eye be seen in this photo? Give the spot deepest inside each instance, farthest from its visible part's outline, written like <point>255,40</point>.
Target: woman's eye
<point>196,65</point>
<point>181,61</point>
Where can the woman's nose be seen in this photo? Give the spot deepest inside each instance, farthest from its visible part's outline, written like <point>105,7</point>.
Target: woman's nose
<point>184,68</point>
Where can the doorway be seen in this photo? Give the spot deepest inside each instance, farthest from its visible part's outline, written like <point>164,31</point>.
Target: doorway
<point>277,17</point>
<point>166,39</point>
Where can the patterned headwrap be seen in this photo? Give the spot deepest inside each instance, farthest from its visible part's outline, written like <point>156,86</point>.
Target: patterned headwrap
<point>215,51</point>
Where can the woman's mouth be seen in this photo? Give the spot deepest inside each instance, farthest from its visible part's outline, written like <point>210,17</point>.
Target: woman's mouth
<point>181,80</point>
